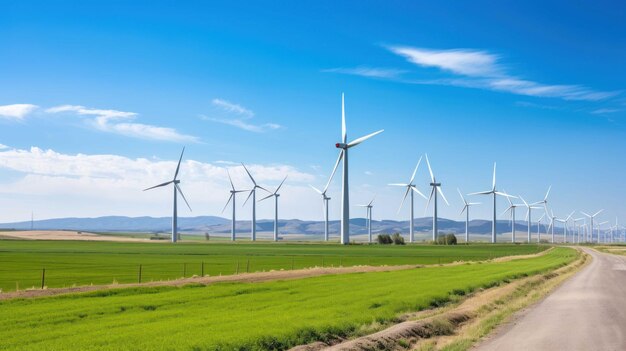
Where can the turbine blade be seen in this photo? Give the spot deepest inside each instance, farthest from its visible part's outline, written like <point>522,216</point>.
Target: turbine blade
<point>281,184</point>
<point>570,215</point>
<point>505,211</point>
<point>334,170</point>
<point>432,191</point>
<point>160,185</point>
<point>474,203</point>
<point>374,198</point>
<point>227,202</point>
<point>461,195</point>
<point>494,177</point>
<point>540,218</point>
<point>443,196</point>
<point>316,189</point>
<point>183,196</point>
<point>524,201</point>
<point>230,179</point>
<point>404,198</point>
<point>430,170</point>
<point>178,166</point>
<point>248,198</point>
<point>398,184</point>
<point>344,131</point>
<point>597,213</point>
<point>588,215</point>
<point>415,170</point>
<point>419,192</point>
<point>362,139</point>
<point>505,195</point>
<point>267,197</point>
<point>547,193</point>
<point>481,193</point>
<point>249,175</point>
<point>463,210</point>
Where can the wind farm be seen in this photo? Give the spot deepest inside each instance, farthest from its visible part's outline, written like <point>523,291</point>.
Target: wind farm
<point>315,146</point>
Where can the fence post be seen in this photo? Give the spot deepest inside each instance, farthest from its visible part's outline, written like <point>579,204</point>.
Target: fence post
<point>43,278</point>
<point>202,269</point>
<point>139,277</point>
<point>248,266</point>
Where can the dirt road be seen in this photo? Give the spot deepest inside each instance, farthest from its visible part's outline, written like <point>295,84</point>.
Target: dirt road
<point>588,312</point>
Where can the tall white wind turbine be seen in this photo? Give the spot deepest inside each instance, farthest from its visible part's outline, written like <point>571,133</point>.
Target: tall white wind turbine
<point>410,188</point>
<point>233,195</point>
<point>177,190</point>
<point>275,194</point>
<point>544,202</point>
<point>466,207</point>
<point>436,188</point>
<point>552,218</point>
<point>565,221</point>
<point>529,209</point>
<point>344,146</point>
<point>511,209</point>
<point>253,194</point>
<point>539,227</point>
<point>493,192</point>
<point>368,208</point>
<point>591,217</point>
<point>325,199</point>
<point>578,227</point>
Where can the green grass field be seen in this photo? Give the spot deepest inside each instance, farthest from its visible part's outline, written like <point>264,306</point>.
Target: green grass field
<point>70,263</point>
<point>246,316</point>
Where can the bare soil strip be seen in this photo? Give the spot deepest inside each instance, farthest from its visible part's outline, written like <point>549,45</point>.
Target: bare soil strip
<point>437,328</point>
<point>242,277</point>
<point>67,235</point>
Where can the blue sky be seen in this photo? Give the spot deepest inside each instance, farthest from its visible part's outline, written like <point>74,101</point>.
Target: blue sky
<point>98,98</point>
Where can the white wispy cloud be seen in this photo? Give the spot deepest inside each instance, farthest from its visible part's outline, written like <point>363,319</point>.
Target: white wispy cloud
<point>16,111</point>
<point>67,184</point>
<point>459,61</point>
<point>114,121</point>
<point>365,71</point>
<point>238,116</point>
<point>602,111</point>
<point>3,147</point>
<point>232,107</point>
<point>473,68</point>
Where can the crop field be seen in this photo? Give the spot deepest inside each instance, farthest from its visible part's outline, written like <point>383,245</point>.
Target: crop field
<point>246,316</point>
<point>69,263</point>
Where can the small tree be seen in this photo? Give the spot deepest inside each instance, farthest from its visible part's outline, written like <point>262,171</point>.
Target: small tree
<point>447,239</point>
<point>397,239</point>
<point>384,239</point>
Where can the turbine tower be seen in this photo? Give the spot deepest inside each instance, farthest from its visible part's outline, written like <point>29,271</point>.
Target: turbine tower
<point>275,194</point>
<point>511,209</point>
<point>591,217</point>
<point>253,194</point>
<point>466,209</point>
<point>578,226</point>
<point>436,188</point>
<point>325,200</point>
<point>552,218</point>
<point>177,190</point>
<point>233,194</point>
<point>529,209</point>
<point>565,221</point>
<point>539,227</point>
<point>410,186</point>
<point>493,192</point>
<point>343,153</point>
<point>369,218</point>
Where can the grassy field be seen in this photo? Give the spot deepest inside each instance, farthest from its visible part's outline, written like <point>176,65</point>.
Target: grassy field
<point>246,316</point>
<point>70,263</point>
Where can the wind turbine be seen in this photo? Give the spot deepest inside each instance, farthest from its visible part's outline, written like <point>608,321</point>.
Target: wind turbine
<point>410,186</point>
<point>529,209</point>
<point>599,225</point>
<point>369,218</point>
<point>253,194</point>
<point>539,227</point>
<point>591,217</point>
<point>565,221</point>
<point>544,202</point>
<point>177,190</point>
<point>493,192</point>
<point>233,194</point>
<point>552,218</point>
<point>466,207</point>
<point>343,153</point>
<point>436,188</point>
<point>325,200</point>
<point>511,209</point>
<point>275,194</point>
<point>576,220</point>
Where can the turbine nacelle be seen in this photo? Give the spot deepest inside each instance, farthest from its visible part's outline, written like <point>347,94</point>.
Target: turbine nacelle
<point>341,146</point>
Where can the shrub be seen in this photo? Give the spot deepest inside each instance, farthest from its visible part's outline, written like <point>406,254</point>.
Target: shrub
<point>397,239</point>
<point>448,239</point>
<point>384,239</point>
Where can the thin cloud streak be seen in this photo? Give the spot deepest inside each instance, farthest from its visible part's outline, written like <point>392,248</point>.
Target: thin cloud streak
<point>114,121</point>
<point>239,117</point>
<point>365,71</point>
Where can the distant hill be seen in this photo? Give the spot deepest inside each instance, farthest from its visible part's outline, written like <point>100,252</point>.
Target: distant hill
<point>212,224</point>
